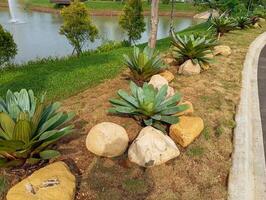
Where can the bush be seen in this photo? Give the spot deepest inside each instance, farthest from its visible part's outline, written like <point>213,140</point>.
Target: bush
<point>28,127</point>
<point>132,20</point>
<point>192,47</point>
<point>77,26</point>
<point>144,64</point>
<point>222,25</point>
<point>243,22</point>
<point>259,11</point>
<point>8,48</point>
<point>148,105</point>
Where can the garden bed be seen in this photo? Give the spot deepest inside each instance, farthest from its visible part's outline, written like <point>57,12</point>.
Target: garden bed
<point>202,169</point>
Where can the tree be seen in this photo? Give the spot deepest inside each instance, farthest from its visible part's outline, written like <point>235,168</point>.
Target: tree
<point>77,26</point>
<point>132,20</point>
<point>154,23</point>
<point>8,48</point>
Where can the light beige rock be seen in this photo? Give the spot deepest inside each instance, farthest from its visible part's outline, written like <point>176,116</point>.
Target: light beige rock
<point>52,182</point>
<point>169,61</point>
<point>186,130</point>
<point>262,20</point>
<point>205,15</point>
<point>222,50</point>
<point>167,75</point>
<point>256,25</point>
<point>189,111</point>
<point>158,81</point>
<point>151,148</point>
<point>189,68</point>
<point>107,139</point>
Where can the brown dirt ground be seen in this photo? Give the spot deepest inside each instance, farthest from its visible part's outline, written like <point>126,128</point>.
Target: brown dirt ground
<point>199,173</point>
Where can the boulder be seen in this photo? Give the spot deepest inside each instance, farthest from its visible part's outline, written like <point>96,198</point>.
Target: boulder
<point>151,148</point>
<point>189,111</point>
<point>158,81</point>
<point>256,25</point>
<point>206,15</point>
<point>107,139</point>
<point>189,68</point>
<point>167,75</point>
<point>222,50</point>
<point>48,183</point>
<point>186,130</point>
<point>262,20</point>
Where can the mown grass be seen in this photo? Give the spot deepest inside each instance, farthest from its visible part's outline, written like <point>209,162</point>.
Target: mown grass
<point>118,6</point>
<point>64,77</point>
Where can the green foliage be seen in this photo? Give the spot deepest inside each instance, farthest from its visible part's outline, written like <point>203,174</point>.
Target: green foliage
<point>243,22</point>
<point>144,64</point>
<point>28,127</point>
<point>192,47</point>
<point>77,26</point>
<point>195,151</point>
<point>259,11</point>
<point>8,48</point>
<point>132,20</point>
<point>222,24</point>
<point>3,186</point>
<point>148,105</point>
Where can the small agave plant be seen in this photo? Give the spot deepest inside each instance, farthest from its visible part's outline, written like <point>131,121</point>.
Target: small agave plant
<point>28,126</point>
<point>192,47</point>
<point>144,64</point>
<point>148,105</point>
<point>222,25</point>
<point>243,22</point>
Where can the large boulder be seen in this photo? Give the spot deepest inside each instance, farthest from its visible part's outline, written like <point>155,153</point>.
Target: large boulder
<point>222,50</point>
<point>159,81</point>
<point>189,68</point>
<point>167,75</point>
<point>54,181</point>
<point>107,139</point>
<point>151,148</point>
<point>206,15</point>
<point>186,130</point>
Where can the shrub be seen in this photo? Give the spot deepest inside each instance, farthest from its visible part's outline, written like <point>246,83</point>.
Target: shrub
<point>148,105</point>
<point>259,11</point>
<point>243,22</point>
<point>222,25</point>
<point>28,127</point>
<point>77,26</point>
<point>144,64</point>
<point>192,47</point>
<point>8,48</point>
<point>132,20</point>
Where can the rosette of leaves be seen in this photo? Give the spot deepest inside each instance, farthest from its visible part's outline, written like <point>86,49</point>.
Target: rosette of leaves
<point>243,22</point>
<point>192,47</point>
<point>222,25</point>
<point>144,64</point>
<point>28,126</point>
<point>148,105</point>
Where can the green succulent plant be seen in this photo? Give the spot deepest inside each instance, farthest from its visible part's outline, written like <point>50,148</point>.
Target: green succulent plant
<point>28,126</point>
<point>243,22</point>
<point>192,47</point>
<point>144,64</point>
<point>222,25</point>
<point>148,105</point>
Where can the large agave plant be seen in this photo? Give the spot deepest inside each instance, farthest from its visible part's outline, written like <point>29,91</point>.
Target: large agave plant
<point>144,64</point>
<point>192,47</point>
<point>28,127</point>
<point>243,22</point>
<point>148,105</point>
<point>222,24</point>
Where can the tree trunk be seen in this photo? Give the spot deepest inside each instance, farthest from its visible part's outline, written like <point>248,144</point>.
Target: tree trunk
<point>154,23</point>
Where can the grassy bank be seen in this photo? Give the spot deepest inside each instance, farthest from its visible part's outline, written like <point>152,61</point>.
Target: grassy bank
<point>116,6</point>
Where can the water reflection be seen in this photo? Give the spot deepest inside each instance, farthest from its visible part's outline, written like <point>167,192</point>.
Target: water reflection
<point>39,37</point>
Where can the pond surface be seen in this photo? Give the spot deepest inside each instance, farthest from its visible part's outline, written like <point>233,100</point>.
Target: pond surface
<point>37,35</point>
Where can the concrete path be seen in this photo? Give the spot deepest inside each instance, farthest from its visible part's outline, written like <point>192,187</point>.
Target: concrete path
<point>262,92</point>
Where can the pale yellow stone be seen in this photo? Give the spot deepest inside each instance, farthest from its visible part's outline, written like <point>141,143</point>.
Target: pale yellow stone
<point>189,68</point>
<point>222,50</point>
<point>33,187</point>
<point>167,75</point>
<point>189,111</point>
<point>186,130</point>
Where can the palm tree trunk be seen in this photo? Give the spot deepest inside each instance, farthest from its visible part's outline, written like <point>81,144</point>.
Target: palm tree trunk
<point>154,23</point>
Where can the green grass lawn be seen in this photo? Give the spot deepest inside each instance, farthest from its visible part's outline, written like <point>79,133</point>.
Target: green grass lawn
<point>116,6</point>
<point>65,77</point>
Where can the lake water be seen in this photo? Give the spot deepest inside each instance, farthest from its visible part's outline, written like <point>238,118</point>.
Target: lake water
<point>37,33</point>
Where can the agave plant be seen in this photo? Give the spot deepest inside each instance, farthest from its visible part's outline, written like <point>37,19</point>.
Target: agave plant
<point>192,47</point>
<point>148,105</point>
<point>243,22</point>
<point>28,127</point>
<point>222,25</point>
<point>144,64</point>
